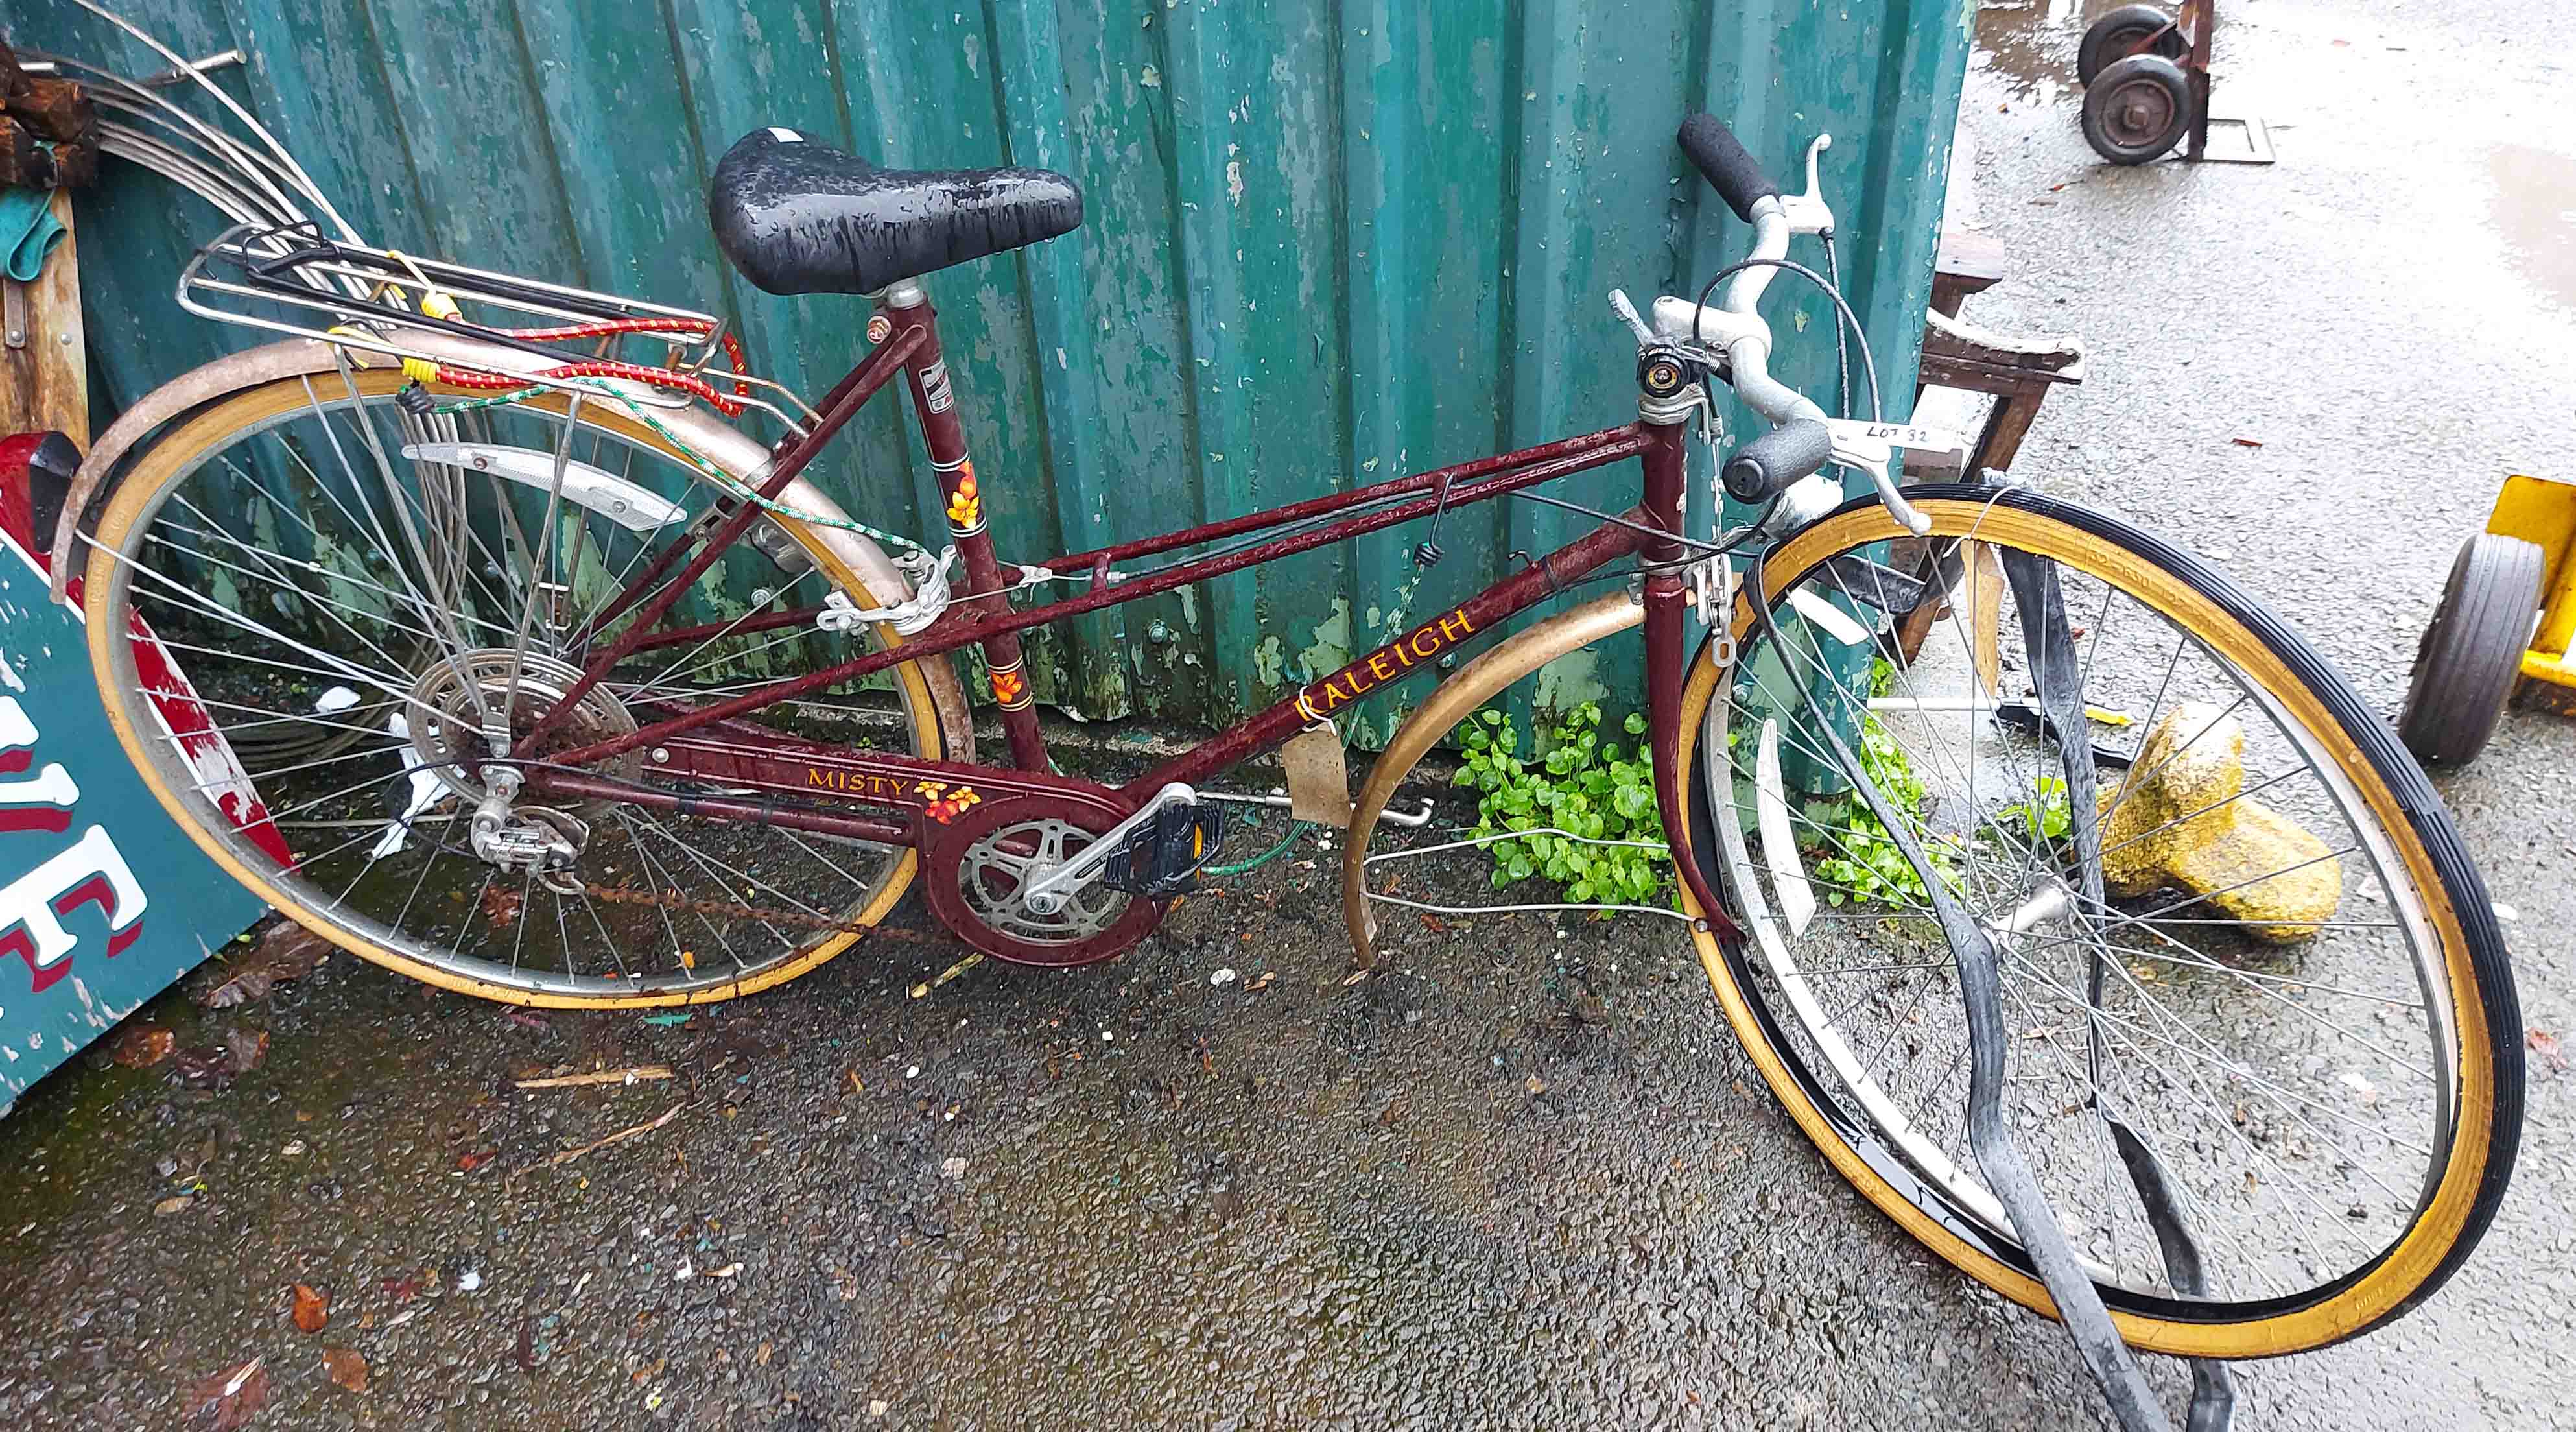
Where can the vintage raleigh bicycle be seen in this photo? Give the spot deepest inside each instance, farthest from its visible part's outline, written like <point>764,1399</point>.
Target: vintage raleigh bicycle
<point>504,656</point>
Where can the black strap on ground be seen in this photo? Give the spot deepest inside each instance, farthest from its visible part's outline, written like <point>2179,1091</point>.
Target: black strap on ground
<point>2058,673</point>
<point>2008,1176</point>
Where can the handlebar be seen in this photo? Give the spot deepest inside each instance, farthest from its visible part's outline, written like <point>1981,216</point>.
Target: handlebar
<point>1769,464</point>
<point>1789,453</point>
<point>1735,174</point>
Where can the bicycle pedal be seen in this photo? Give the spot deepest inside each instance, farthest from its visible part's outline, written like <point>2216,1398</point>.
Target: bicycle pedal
<point>1165,855</point>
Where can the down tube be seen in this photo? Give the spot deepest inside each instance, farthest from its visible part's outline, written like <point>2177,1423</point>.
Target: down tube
<point>1399,658</point>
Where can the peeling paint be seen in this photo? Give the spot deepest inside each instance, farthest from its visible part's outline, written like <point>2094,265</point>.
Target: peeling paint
<point>1331,649</point>
<point>1270,662</point>
<point>1569,681</point>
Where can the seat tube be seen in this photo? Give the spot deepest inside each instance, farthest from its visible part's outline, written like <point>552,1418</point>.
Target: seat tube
<point>934,402</point>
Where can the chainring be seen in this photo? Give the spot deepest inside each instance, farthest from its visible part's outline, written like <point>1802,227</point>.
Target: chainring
<point>976,865</point>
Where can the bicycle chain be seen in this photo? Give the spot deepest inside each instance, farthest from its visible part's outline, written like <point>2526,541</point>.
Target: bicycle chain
<point>628,895</point>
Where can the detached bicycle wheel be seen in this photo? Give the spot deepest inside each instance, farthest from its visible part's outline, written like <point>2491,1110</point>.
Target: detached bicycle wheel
<point>2275,966</point>
<point>354,618</point>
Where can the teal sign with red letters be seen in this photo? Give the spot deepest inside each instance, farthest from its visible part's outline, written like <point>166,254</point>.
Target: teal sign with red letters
<point>104,901</point>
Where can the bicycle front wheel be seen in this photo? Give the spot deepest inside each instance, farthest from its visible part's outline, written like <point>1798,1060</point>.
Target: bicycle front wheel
<point>358,593</point>
<point>2272,964</point>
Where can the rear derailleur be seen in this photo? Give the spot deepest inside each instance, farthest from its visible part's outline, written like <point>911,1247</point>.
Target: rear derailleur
<point>541,840</point>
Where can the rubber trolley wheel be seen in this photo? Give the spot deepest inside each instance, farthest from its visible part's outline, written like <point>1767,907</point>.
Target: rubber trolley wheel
<point>2111,37</point>
<point>2136,109</point>
<point>2472,649</point>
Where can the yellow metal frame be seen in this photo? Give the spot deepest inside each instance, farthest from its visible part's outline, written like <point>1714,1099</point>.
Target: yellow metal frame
<point>2542,510</point>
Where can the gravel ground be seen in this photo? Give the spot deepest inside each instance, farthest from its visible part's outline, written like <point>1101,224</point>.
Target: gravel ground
<point>1522,1180</point>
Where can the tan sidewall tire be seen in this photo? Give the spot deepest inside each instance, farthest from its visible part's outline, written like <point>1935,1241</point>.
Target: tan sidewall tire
<point>149,471</point>
<point>2419,1257</point>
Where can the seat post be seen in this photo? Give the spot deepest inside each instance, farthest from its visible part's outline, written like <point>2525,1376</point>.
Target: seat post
<point>934,401</point>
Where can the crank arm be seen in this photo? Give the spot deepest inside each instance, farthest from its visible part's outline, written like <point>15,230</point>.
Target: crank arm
<point>1048,893</point>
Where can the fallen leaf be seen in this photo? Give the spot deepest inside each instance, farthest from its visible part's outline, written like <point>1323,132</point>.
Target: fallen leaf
<point>140,1046</point>
<point>1537,1085</point>
<point>346,1367</point>
<point>240,985</point>
<point>468,1163</point>
<point>726,1271</point>
<point>1264,982</point>
<point>526,1353</point>
<point>312,1310</point>
<point>287,952</point>
<point>175,1203</point>
<point>501,904</point>
<point>2247,442</point>
<point>404,1288</point>
<point>226,1400</point>
<point>206,1064</point>
<point>244,1049</point>
<point>761,1358</point>
<point>2545,1044</point>
<point>1432,923</point>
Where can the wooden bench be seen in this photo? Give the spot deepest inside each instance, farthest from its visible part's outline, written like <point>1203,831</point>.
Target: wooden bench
<point>2018,373</point>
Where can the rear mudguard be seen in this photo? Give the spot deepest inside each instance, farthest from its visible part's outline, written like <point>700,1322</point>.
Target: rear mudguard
<point>737,454</point>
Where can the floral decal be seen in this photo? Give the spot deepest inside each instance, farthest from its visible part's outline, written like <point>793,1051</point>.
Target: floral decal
<point>1008,685</point>
<point>965,507</point>
<point>947,802</point>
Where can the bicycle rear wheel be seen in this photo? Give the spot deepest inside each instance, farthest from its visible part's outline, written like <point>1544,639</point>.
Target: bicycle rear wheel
<point>2290,986</point>
<point>352,619</point>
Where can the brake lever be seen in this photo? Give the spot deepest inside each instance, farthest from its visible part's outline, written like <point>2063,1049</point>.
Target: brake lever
<point>1808,213</point>
<point>1874,456</point>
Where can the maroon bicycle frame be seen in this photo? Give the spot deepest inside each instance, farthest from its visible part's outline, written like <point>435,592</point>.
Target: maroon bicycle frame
<point>819,782</point>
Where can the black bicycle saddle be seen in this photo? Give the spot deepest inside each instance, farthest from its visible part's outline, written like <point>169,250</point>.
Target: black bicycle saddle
<point>800,217</point>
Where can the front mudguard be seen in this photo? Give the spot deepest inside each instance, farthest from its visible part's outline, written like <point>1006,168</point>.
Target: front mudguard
<point>1453,701</point>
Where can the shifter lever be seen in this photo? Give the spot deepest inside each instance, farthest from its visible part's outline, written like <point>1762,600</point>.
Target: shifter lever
<point>1627,312</point>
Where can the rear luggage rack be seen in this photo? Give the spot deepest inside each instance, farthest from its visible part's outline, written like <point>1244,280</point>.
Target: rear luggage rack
<point>387,302</point>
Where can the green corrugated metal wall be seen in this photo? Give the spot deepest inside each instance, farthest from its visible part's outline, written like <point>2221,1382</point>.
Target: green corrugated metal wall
<point>1327,241</point>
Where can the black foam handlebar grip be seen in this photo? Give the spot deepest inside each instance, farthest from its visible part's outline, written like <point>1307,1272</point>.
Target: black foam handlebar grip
<point>1767,465</point>
<point>1736,176</point>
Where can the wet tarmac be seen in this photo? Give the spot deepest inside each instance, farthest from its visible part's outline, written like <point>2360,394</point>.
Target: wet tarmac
<point>1524,1179</point>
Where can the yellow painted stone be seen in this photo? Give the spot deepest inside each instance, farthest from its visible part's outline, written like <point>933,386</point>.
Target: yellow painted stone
<point>2193,765</point>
